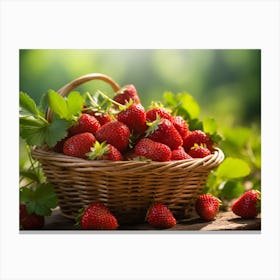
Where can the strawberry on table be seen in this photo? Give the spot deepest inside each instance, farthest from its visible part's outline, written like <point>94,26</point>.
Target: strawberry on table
<point>104,151</point>
<point>30,221</point>
<point>160,216</point>
<point>152,150</point>
<point>115,133</point>
<point>78,145</point>
<point>85,123</point>
<point>247,205</point>
<point>207,206</point>
<point>162,130</point>
<point>97,216</point>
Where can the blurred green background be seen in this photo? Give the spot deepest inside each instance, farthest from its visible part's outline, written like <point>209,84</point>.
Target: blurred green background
<point>226,83</point>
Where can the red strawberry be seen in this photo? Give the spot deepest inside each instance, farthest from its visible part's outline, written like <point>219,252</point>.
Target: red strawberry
<point>207,206</point>
<point>104,151</point>
<point>163,131</point>
<point>247,205</point>
<point>86,123</point>
<point>78,145</point>
<point>181,125</point>
<point>30,221</point>
<point>125,94</point>
<point>98,216</point>
<point>134,117</point>
<point>199,152</point>
<point>160,216</point>
<point>180,154</point>
<point>152,114</point>
<point>115,133</point>
<point>197,137</point>
<point>152,150</point>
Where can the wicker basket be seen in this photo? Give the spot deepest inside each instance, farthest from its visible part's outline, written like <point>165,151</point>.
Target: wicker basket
<point>127,188</point>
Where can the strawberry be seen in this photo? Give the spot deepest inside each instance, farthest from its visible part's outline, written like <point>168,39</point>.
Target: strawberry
<point>125,94</point>
<point>162,130</point>
<point>197,137</point>
<point>30,221</point>
<point>134,117</point>
<point>207,206</point>
<point>160,216</point>
<point>97,216</point>
<point>78,145</point>
<point>180,154</point>
<point>181,125</point>
<point>104,151</point>
<point>115,133</point>
<point>199,151</point>
<point>152,114</point>
<point>247,205</point>
<point>152,150</point>
<point>85,123</point>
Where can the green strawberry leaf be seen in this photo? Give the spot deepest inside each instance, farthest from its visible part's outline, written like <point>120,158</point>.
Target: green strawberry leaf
<point>28,105</point>
<point>188,104</point>
<point>39,200</point>
<point>65,108</point>
<point>232,168</point>
<point>232,189</point>
<point>58,104</point>
<point>75,103</point>
<point>56,131</point>
<point>33,131</point>
<point>209,126</point>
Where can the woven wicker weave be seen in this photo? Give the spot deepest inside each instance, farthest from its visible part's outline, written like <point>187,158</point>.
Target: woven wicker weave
<point>126,187</point>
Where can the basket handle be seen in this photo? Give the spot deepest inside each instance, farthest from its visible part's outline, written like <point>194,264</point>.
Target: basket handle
<point>83,79</point>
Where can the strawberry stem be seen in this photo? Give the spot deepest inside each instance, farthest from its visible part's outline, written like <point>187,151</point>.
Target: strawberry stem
<point>121,107</point>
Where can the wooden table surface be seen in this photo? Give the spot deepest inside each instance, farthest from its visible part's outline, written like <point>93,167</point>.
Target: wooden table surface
<point>224,221</point>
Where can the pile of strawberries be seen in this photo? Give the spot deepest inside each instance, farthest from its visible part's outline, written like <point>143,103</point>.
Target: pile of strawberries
<point>97,216</point>
<point>133,133</point>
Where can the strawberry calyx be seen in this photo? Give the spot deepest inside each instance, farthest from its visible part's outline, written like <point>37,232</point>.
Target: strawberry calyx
<point>98,150</point>
<point>153,126</point>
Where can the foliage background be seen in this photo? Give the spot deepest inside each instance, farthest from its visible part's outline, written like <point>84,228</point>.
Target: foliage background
<point>226,84</point>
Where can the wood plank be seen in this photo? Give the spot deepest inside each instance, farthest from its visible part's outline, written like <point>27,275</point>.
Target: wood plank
<point>223,221</point>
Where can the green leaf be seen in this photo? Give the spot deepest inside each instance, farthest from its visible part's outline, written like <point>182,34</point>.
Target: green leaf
<point>189,104</point>
<point>58,104</point>
<point>209,126</point>
<point>232,189</point>
<point>75,103</point>
<point>28,105</point>
<point>195,124</point>
<point>56,131</point>
<point>40,200</point>
<point>169,99</point>
<point>33,131</point>
<point>30,175</point>
<point>233,168</point>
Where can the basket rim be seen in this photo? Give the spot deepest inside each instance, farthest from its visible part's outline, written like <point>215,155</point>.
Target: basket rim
<point>208,162</point>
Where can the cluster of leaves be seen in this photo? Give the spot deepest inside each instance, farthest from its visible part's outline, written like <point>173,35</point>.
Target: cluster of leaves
<point>38,195</point>
<point>240,170</point>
